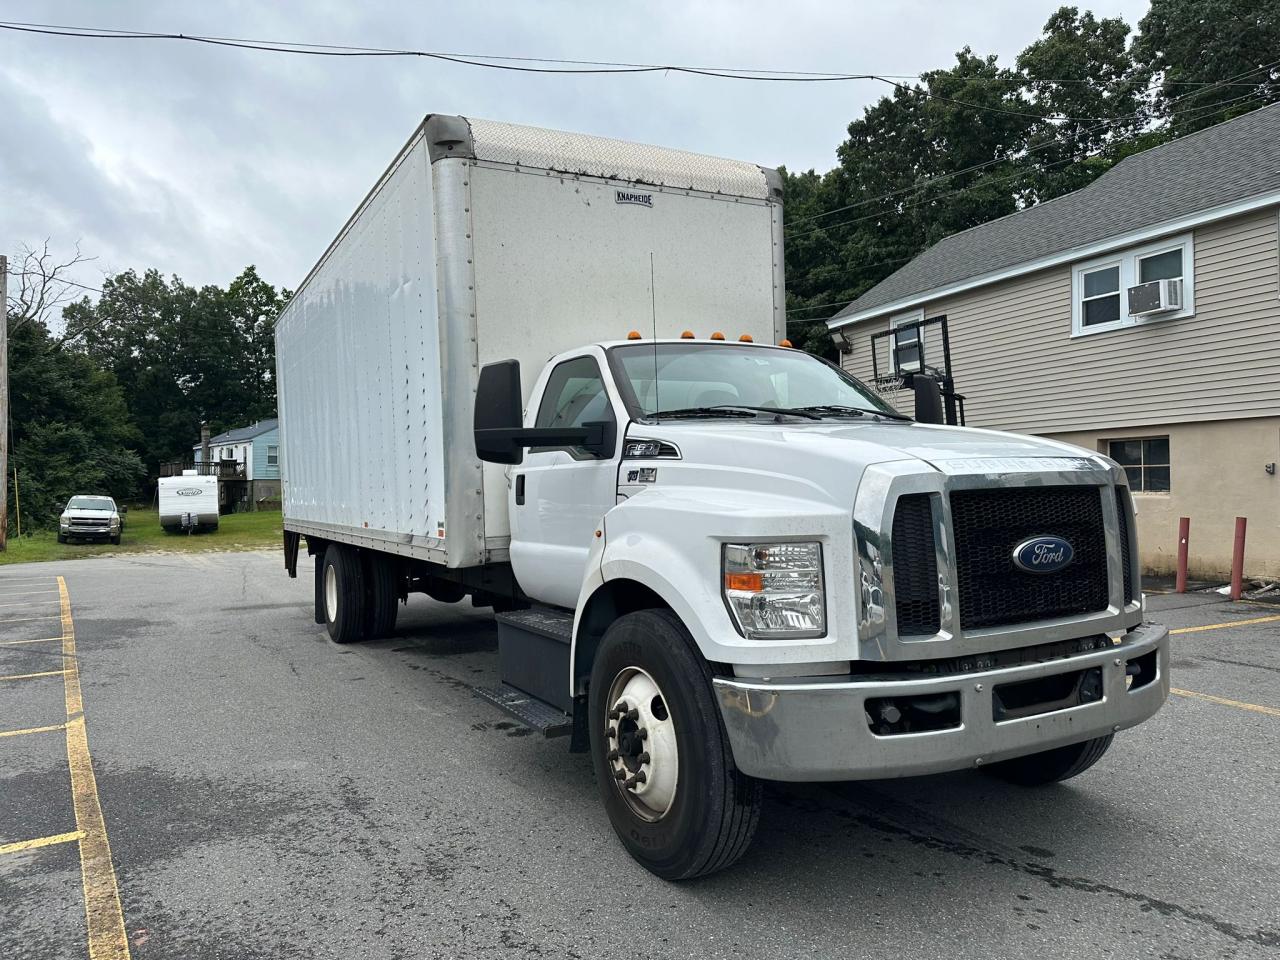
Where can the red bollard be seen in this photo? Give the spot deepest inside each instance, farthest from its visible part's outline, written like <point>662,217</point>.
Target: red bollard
<point>1237,559</point>
<point>1184,533</point>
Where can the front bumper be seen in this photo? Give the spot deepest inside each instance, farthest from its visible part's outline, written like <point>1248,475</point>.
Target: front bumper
<point>816,729</point>
<point>87,531</point>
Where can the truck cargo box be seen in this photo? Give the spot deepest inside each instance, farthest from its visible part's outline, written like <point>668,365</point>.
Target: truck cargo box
<point>486,241</point>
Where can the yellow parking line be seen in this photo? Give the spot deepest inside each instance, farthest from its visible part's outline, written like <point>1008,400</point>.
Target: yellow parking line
<point>1253,707</point>
<point>1221,626</point>
<point>40,842</point>
<point>32,676</point>
<point>14,643</point>
<point>23,732</point>
<point>105,918</point>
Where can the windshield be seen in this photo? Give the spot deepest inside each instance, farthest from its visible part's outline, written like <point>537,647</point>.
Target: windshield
<point>90,503</point>
<point>700,375</point>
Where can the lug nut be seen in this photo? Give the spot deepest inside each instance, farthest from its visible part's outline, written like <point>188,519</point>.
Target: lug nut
<point>611,732</point>
<point>613,754</point>
<point>641,777</point>
<point>642,733</point>
<point>633,714</point>
<point>619,774</point>
<point>644,757</point>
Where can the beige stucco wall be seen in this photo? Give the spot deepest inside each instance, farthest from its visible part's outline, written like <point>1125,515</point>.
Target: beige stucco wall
<point>1217,473</point>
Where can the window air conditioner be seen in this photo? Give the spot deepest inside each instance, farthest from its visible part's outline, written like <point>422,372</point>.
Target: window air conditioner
<point>1158,296</point>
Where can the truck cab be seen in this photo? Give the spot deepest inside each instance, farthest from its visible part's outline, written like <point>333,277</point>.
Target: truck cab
<point>764,561</point>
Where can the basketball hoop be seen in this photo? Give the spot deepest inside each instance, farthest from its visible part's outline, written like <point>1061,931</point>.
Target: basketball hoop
<point>888,388</point>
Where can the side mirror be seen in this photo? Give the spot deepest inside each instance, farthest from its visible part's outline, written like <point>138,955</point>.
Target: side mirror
<point>928,399</point>
<point>122,510</point>
<point>498,414</point>
<point>499,434</point>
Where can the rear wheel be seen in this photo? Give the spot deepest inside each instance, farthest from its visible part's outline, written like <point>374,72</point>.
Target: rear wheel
<point>661,755</point>
<point>382,601</point>
<point>1052,766</point>
<point>344,594</point>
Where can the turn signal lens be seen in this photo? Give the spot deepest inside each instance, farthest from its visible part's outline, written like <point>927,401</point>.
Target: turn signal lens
<point>775,590</point>
<point>747,582</point>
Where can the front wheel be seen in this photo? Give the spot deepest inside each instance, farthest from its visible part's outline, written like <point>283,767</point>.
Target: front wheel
<point>1051,766</point>
<point>661,755</point>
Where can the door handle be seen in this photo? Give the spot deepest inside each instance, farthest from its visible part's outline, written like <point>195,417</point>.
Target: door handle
<point>519,489</point>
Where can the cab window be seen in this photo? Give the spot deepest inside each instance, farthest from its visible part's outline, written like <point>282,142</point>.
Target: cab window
<point>575,395</point>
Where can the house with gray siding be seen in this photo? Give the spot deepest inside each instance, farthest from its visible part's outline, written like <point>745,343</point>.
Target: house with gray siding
<point>1177,380</point>
<point>252,458</point>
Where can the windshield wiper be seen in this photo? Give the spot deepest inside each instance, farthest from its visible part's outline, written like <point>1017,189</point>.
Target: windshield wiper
<point>735,410</point>
<point>836,408</point>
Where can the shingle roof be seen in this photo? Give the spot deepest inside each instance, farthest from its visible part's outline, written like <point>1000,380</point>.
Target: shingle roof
<point>1219,165</point>
<point>243,433</point>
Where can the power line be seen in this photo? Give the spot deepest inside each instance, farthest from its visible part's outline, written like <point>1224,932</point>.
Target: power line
<point>1207,110</point>
<point>1232,81</point>
<point>517,64</point>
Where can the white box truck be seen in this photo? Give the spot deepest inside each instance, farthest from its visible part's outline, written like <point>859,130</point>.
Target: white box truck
<point>188,503</point>
<point>548,371</point>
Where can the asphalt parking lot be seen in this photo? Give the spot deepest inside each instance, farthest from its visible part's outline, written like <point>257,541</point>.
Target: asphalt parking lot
<point>267,794</point>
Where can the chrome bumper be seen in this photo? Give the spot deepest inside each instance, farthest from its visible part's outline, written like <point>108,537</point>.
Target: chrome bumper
<point>816,729</point>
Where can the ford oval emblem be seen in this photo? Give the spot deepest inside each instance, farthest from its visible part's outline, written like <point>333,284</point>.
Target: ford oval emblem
<point>1043,554</point>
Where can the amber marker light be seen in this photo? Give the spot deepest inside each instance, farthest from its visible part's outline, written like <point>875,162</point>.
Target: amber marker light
<point>746,338</point>
<point>746,582</point>
<point>687,335</point>
<point>633,335</point>
<point>717,335</point>
<point>784,343</point>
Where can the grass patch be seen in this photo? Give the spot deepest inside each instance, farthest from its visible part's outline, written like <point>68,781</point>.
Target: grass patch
<point>143,534</point>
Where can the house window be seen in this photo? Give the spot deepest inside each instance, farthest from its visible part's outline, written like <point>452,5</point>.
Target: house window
<point>273,455</point>
<point>906,349</point>
<point>1100,303</point>
<point>1100,288</point>
<point>1145,462</point>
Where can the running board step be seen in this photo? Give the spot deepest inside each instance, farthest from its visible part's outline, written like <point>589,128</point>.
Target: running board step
<point>533,713</point>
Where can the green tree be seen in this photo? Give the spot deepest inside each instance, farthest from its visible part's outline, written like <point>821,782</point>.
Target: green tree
<point>1080,74</point>
<point>1212,59</point>
<point>184,356</point>
<point>72,432</point>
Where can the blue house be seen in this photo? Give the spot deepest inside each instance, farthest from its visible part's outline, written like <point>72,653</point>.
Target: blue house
<point>248,462</point>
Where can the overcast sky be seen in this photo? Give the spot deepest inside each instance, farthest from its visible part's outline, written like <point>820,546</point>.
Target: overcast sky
<point>199,160</point>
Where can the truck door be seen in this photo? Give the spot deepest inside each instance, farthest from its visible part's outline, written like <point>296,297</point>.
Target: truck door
<point>559,494</point>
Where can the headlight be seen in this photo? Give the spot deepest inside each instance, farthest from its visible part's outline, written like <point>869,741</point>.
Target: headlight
<point>774,590</point>
<point>64,518</point>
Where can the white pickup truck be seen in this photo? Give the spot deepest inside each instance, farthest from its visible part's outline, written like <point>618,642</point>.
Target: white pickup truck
<point>715,560</point>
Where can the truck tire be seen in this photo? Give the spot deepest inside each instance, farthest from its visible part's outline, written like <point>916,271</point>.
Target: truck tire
<point>344,594</point>
<point>1052,766</point>
<point>661,755</point>
<point>382,598</point>
<point>116,540</point>
<point>62,538</point>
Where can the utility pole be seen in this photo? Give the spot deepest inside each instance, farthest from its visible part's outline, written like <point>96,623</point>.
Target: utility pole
<point>4,402</point>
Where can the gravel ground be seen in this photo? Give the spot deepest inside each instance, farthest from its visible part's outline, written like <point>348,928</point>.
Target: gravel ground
<point>268,794</point>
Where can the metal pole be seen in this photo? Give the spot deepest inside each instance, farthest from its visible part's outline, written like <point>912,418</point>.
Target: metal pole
<point>1237,559</point>
<point>4,402</point>
<point>1184,533</point>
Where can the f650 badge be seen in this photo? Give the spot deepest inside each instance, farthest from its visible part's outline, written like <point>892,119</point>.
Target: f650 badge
<point>1043,554</point>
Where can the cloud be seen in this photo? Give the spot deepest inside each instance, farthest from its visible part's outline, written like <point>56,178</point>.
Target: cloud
<point>199,160</point>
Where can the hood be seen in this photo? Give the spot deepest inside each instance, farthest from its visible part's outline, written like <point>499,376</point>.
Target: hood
<point>823,459</point>
<point>85,514</point>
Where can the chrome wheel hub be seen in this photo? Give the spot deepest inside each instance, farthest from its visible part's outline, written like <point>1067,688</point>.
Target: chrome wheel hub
<point>640,740</point>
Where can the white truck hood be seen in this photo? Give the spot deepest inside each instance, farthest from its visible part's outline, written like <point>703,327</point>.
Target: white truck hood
<point>827,458</point>
<point>80,513</point>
